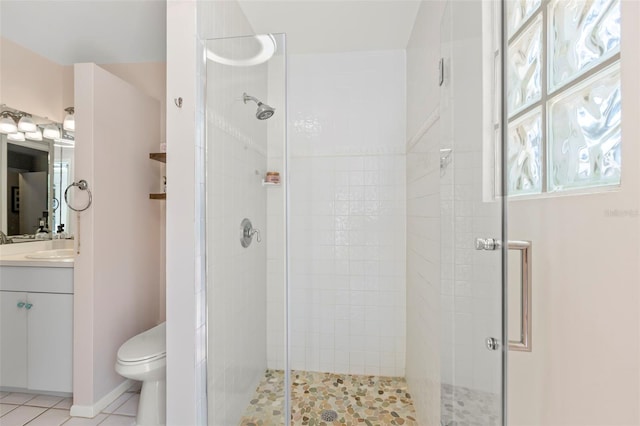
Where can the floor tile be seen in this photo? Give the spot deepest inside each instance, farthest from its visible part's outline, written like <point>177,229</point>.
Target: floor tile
<point>130,407</point>
<point>21,415</point>
<point>17,408</point>
<point>117,403</point>
<point>115,420</point>
<point>81,421</point>
<point>135,387</point>
<point>53,417</point>
<point>44,401</point>
<point>347,398</point>
<point>464,406</point>
<point>5,408</point>
<point>17,398</point>
<point>65,403</point>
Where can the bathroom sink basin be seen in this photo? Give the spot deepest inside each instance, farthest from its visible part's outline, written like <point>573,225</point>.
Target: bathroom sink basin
<point>51,254</point>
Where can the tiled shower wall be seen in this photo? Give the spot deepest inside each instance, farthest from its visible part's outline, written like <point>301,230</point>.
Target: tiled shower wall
<point>347,224</point>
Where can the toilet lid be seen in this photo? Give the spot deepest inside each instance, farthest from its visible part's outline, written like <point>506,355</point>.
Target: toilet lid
<point>146,345</point>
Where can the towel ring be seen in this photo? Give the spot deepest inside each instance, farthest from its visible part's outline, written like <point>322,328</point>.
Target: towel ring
<point>83,186</point>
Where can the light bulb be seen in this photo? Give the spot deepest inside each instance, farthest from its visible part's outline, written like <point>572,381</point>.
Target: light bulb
<point>26,124</point>
<point>51,132</point>
<point>16,137</point>
<point>34,136</point>
<point>69,123</point>
<point>7,125</point>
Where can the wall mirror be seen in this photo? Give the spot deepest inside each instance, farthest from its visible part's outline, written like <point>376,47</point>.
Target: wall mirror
<point>35,170</point>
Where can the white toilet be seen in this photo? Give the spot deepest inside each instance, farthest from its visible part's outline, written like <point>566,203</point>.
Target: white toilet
<point>143,358</point>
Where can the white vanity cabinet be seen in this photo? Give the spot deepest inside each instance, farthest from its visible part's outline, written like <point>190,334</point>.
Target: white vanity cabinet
<point>36,328</point>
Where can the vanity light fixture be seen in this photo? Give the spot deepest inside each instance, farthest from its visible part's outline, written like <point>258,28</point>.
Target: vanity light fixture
<point>26,124</point>
<point>12,122</point>
<point>34,136</point>
<point>7,122</point>
<point>16,137</point>
<point>51,131</point>
<point>69,123</point>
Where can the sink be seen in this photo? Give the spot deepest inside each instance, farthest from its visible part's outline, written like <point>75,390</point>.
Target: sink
<point>51,254</point>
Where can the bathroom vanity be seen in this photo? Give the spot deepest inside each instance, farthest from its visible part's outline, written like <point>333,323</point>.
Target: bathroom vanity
<point>36,322</point>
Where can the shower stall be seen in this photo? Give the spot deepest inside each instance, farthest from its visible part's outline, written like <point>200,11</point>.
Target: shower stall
<point>352,274</point>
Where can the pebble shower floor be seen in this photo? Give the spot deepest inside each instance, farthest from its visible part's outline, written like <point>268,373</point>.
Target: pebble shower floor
<point>357,400</point>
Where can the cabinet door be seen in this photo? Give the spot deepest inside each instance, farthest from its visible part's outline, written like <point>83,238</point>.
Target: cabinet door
<point>13,339</point>
<point>50,343</point>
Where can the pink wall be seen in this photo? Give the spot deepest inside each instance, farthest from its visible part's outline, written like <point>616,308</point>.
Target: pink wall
<point>150,78</point>
<point>31,83</point>
<point>118,269</point>
<point>585,287</point>
<point>34,84</point>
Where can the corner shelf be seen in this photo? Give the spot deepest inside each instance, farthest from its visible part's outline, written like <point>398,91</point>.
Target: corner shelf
<point>265,183</point>
<point>161,157</point>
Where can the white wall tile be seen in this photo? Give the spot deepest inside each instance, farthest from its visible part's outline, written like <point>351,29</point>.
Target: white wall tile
<point>343,166</point>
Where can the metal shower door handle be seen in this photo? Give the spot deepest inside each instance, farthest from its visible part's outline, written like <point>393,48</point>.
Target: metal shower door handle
<point>524,344</point>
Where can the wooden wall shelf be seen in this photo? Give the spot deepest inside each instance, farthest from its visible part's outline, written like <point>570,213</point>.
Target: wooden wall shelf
<point>159,156</point>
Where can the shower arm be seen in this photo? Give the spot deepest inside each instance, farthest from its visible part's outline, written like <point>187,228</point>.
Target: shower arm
<point>246,98</point>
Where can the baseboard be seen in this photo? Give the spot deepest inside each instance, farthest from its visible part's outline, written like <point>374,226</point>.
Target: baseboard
<point>90,411</point>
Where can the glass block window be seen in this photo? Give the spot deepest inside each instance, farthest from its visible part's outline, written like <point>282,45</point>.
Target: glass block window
<point>524,68</point>
<point>563,95</point>
<point>519,11</point>
<point>524,153</point>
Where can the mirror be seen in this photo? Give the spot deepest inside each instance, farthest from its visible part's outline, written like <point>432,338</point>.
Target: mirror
<point>33,177</point>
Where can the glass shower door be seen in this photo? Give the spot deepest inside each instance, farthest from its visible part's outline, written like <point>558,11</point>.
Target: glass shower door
<point>473,345</point>
<point>245,216</point>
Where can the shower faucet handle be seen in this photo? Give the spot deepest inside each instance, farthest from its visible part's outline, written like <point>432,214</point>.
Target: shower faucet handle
<point>247,231</point>
<point>488,244</point>
<point>256,232</point>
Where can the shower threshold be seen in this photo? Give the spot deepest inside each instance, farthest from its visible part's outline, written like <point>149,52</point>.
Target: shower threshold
<point>356,399</point>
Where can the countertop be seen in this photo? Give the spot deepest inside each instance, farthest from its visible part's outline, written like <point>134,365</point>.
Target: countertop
<point>15,254</point>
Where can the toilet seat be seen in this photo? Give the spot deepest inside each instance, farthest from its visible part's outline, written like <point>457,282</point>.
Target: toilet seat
<point>145,347</point>
<point>142,361</point>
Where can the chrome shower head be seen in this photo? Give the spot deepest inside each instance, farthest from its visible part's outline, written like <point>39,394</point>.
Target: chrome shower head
<point>264,111</point>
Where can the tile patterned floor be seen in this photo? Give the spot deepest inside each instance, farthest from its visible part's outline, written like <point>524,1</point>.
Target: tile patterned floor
<point>462,406</point>
<point>18,409</point>
<point>365,400</point>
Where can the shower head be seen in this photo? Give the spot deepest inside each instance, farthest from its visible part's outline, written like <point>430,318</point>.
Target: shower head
<point>264,111</point>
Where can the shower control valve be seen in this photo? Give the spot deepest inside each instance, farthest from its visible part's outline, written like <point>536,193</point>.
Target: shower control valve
<point>247,231</point>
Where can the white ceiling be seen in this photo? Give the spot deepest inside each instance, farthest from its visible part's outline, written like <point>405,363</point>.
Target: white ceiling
<point>319,26</point>
<point>120,31</point>
<point>100,31</point>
